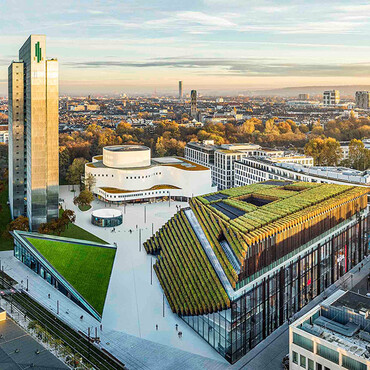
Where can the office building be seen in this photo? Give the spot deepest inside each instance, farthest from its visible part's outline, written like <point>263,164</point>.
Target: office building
<point>256,169</point>
<point>255,255</point>
<point>331,97</point>
<point>363,99</point>
<point>193,107</point>
<point>127,173</point>
<point>220,158</point>
<point>334,335</point>
<point>303,96</point>
<point>180,90</point>
<point>33,134</point>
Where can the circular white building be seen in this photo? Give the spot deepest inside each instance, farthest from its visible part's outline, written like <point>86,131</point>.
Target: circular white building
<point>126,156</point>
<point>106,217</point>
<point>127,173</point>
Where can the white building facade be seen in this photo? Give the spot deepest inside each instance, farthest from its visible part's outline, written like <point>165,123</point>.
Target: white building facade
<point>331,336</point>
<point>252,170</point>
<point>331,97</point>
<point>221,159</point>
<point>127,173</point>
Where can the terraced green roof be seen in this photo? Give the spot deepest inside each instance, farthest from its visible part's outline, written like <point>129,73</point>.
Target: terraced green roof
<point>232,221</point>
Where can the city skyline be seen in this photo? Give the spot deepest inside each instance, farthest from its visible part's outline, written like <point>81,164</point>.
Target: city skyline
<point>137,47</point>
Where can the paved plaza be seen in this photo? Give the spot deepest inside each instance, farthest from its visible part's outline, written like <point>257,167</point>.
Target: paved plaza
<point>134,304</point>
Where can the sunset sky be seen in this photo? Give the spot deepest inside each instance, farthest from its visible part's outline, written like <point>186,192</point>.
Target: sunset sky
<point>212,45</point>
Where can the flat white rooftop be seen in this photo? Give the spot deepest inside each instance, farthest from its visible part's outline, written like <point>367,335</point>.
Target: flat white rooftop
<point>106,212</point>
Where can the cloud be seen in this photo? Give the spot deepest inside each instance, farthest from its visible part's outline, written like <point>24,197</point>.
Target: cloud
<point>95,11</point>
<point>242,67</point>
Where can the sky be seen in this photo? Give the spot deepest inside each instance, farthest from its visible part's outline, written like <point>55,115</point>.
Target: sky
<point>143,46</point>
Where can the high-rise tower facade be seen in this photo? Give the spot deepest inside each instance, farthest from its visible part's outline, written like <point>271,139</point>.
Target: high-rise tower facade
<point>193,107</point>
<point>180,90</point>
<point>33,141</point>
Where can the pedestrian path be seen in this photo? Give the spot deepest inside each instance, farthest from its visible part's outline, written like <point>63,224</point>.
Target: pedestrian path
<point>134,352</point>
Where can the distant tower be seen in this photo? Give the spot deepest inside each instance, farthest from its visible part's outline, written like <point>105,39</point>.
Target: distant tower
<point>193,109</point>
<point>180,90</point>
<point>33,129</point>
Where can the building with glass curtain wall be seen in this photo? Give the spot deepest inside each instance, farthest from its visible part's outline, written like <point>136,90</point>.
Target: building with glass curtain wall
<point>33,134</point>
<point>238,263</point>
<point>106,217</point>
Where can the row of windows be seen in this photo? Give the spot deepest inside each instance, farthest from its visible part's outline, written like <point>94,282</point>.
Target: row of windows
<point>127,177</point>
<point>138,194</point>
<point>347,363</point>
<point>310,365</point>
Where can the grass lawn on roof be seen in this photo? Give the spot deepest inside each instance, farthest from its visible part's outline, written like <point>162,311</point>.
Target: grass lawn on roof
<point>76,232</point>
<point>87,268</point>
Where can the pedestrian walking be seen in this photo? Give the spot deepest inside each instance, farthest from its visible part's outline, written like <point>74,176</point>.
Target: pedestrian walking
<point>49,295</point>
<point>177,327</point>
<point>81,317</point>
<point>156,326</point>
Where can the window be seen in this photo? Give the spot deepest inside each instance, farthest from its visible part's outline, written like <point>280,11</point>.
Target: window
<point>295,357</point>
<point>302,361</point>
<point>303,342</point>
<point>352,364</point>
<point>311,364</point>
<point>328,353</point>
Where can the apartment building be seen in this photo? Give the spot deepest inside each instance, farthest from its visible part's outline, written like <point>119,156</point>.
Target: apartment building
<point>331,97</point>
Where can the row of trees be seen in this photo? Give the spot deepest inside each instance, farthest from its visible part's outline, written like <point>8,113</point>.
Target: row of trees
<point>55,227</point>
<point>58,225</point>
<point>328,152</point>
<point>168,138</point>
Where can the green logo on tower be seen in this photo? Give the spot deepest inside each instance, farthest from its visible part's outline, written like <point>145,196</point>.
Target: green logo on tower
<point>38,51</point>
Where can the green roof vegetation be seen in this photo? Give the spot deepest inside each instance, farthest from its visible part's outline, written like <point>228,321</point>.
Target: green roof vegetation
<point>86,267</point>
<point>240,218</point>
<point>188,279</point>
<point>76,232</point>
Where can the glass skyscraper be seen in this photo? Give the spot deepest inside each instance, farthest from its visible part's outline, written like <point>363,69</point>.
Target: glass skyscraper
<point>33,134</point>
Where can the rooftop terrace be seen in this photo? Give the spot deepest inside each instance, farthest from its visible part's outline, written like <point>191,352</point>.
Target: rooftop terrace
<point>341,325</point>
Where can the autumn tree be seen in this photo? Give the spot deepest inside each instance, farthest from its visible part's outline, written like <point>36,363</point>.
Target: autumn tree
<point>247,127</point>
<point>358,156</point>
<point>20,223</point>
<point>325,152</point>
<point>89,182</point>
<point>75,171</point>
<point>69,215</point>
<point>57,226</point>
<point>84,199</point>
